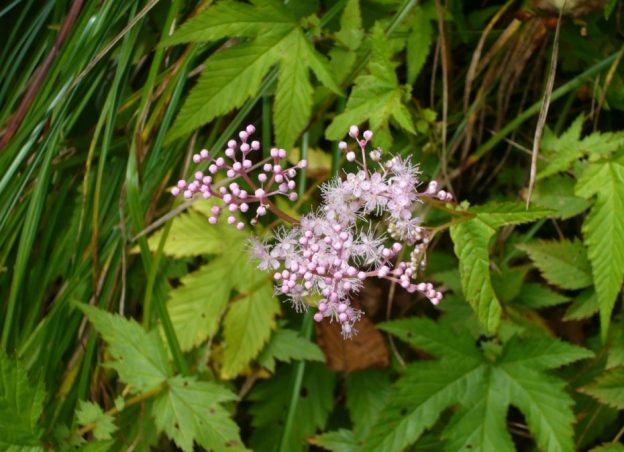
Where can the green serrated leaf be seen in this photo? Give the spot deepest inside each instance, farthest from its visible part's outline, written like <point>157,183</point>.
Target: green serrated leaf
<point>562,263</point>
<point>419,43</point>
<point>563,151</point>
<point>608,388</point>
<point>433,337</point>
<point>583,307</point>
<point>229,78</point>
<point>351,32</point>
<point>546,406</point>
<point>480,424</point>
<point>21,405</point>
<point>557,193</point>
<point>190,235</point>
<point>270,404</point>
<point>196,306</point>
<point>247,327</point>
<point>293,96</point>
<point>542,353</point>
<point>92,413</point>
<point>139,357</point>
<point>230,18</point>
<point>537,296</point>
<point>497,214</point>
<point>338,441</point>
<point>287,345</point>
<point>603,230</point>
<point>367,392</point>
<point>417,400</point>
<point>376,97</point>
<point>471,244</point>
<point>189,411</point>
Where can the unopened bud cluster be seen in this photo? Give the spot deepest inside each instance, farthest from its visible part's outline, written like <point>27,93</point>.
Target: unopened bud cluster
<point>274,179</point>
<point>326,255</point>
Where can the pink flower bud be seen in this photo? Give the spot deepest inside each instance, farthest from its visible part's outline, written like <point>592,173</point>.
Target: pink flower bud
<point>354,131</point>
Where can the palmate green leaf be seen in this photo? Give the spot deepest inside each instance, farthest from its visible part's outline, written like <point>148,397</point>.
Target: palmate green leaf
<point>608,388</point>
<point>270,404</point>
<point>376,97</point>
<point>603,230</point>
<point>287,345</point>
<point>21,405</point>
<point>562,263</point>
<point>139,357</point>
<point>482,385</point>
<point>196,306</point>
<point>233,75</point>
<point>471,244</point>
<point>232,18</point>
<point>247,327</point>
<point>480,424</point>
<point>189,411</point>
<point>92,413</point>
<point>545,405</point>
<point>417,400</point>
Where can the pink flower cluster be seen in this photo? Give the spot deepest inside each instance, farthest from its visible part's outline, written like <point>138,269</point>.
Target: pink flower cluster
<point>274,179</point>
<point>331,252</point>
<point>324,257</point>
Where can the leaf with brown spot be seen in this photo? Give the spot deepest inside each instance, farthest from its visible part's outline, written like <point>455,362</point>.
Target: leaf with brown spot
<point>365,350</point>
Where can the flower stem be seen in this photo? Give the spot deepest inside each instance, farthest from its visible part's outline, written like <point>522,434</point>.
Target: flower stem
<point>306,332</point>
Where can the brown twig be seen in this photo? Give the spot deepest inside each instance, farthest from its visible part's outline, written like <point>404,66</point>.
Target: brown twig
<point>40,74</point>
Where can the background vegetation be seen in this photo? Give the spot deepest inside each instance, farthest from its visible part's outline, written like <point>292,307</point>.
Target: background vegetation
<point>129,323</point>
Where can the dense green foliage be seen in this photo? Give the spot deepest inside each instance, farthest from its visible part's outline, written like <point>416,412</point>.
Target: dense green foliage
<point>129,322</point>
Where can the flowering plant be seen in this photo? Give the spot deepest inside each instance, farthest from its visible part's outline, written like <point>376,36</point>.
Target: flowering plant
<point>367,221</point>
